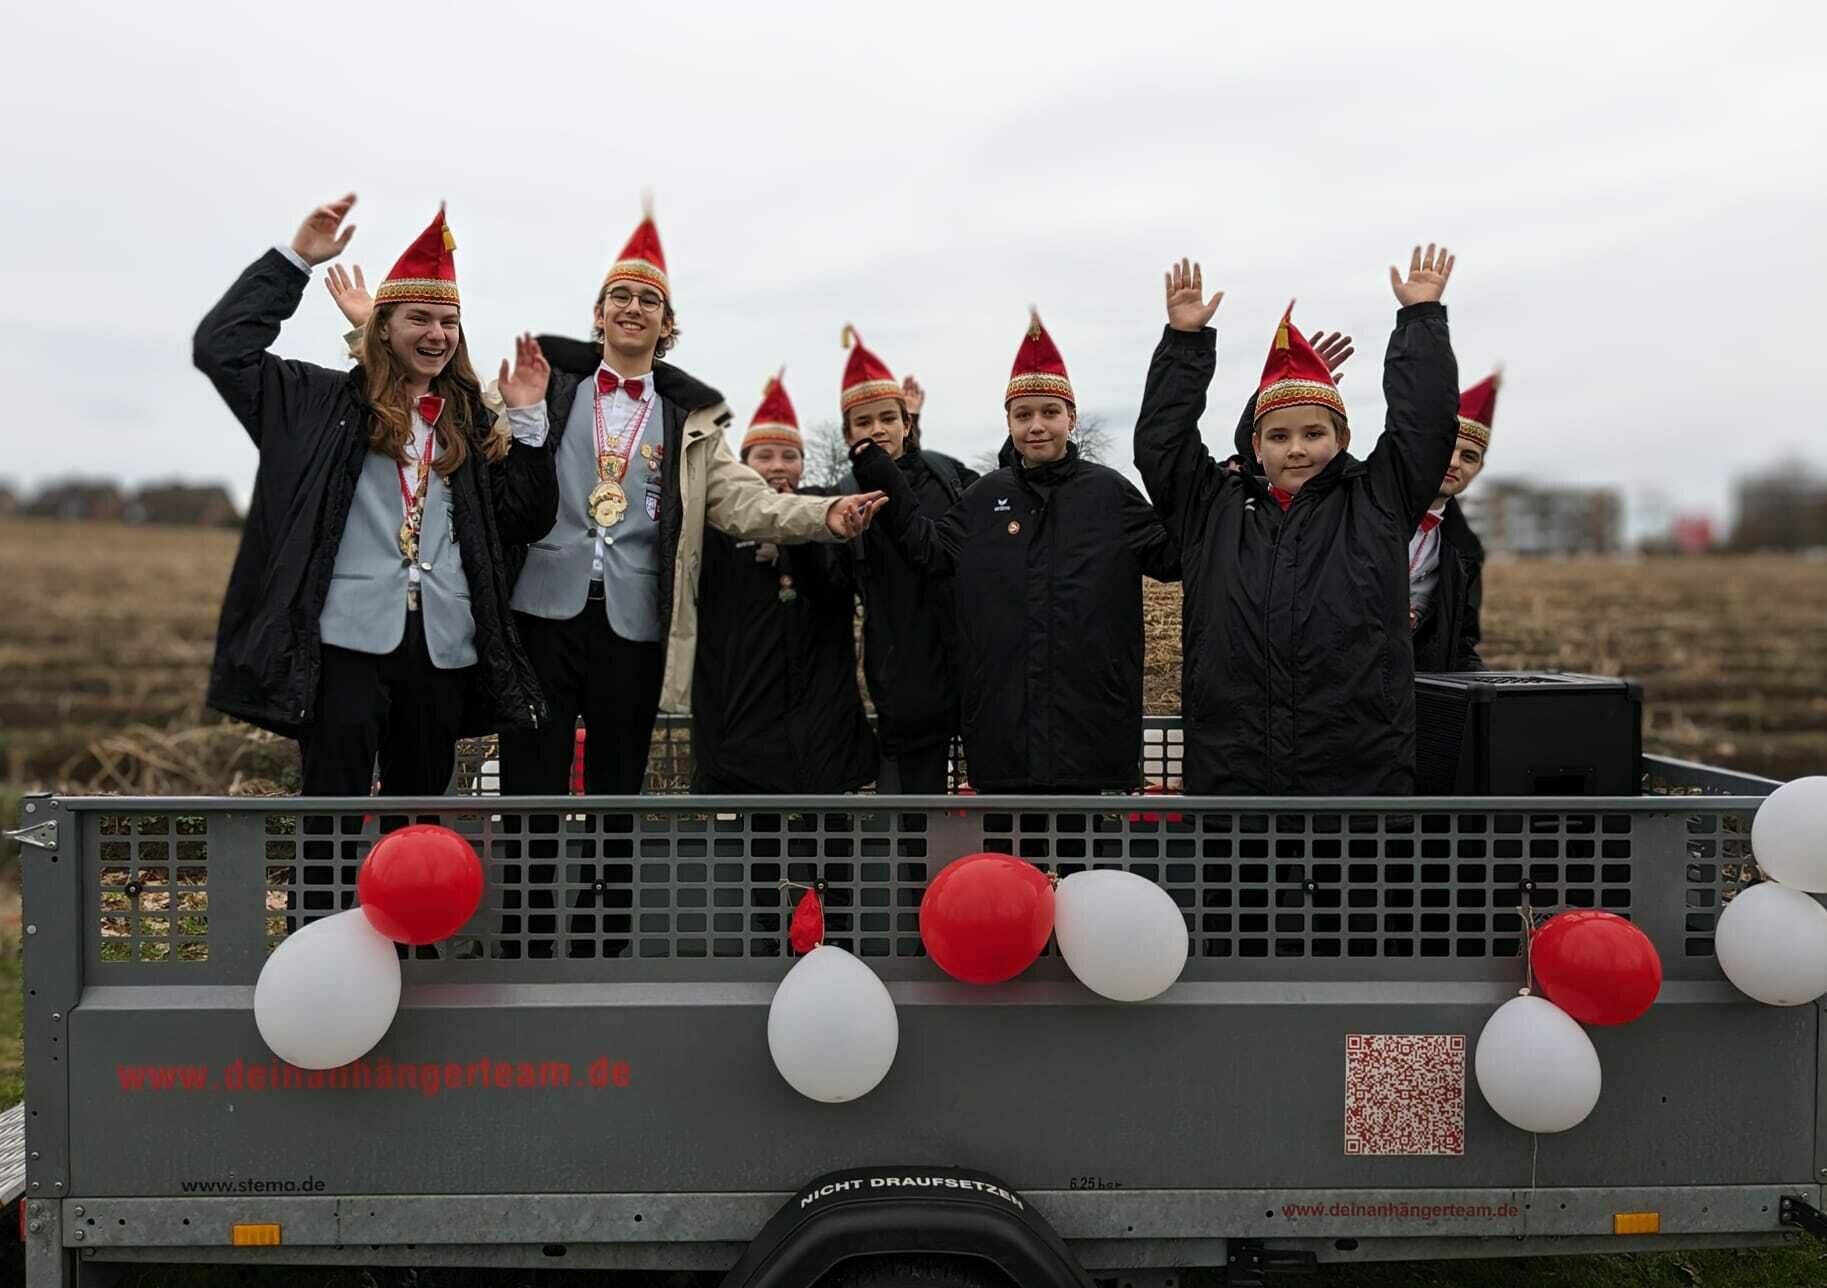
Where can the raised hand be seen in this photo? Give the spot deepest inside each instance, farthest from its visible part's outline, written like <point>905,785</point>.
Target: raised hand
<point>849,516</point>
<point>317,238</point>
<point>351,296</point>
<point>1187,307</point>
<point>1332,349</point>
<point>525,386</point>
<point>913,395</point>
<point>1427,276</point>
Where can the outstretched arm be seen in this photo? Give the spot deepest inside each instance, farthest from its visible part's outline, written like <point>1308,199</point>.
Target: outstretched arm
<point>740,502</point>
<point>929,546</point>
<point>1179,472</point>
<point>522,473</point>
<point>231,343</point>
<point>1421,388</point>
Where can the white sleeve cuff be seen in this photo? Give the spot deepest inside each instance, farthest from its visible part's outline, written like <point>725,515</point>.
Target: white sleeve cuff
<point>528,424</point>
<point>297,260</point>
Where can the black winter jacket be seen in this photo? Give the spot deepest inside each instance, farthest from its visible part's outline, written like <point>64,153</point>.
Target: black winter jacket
<point>1297,673</point>
<point>775,706</point>
<point>1049,564</point>
<point>310,425</point>
<point>1448,634</point>
<point>910,627</point>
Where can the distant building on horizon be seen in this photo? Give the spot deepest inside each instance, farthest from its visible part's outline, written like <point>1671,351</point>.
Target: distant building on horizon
<point>1517,518</point>
<point>1785,509</point>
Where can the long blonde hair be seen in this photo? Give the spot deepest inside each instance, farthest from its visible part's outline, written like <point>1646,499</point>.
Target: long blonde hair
<point>390,426</point>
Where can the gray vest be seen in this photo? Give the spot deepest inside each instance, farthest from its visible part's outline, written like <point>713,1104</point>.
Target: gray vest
<point>366,608</point>
<point>560,566</point>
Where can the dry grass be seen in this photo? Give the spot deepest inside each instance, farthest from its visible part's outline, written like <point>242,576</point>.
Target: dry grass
<point>107,656</point>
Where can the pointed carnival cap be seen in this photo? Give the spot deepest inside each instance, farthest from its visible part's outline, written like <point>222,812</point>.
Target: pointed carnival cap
<point>1038,367</point>
<point>641,259</point>
<point>774,421</point>
<point>1294,375</point>
<point>866,377</point>
<point>1477,405</point>
<point>426,273</point>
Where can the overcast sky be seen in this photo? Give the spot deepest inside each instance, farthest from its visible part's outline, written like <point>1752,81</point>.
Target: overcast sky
<point>1637,198</point>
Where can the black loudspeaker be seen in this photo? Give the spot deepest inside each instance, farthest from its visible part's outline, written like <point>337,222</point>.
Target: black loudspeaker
<point>1527,733</point>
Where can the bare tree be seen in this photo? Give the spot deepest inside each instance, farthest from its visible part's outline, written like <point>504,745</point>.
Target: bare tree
<point>1096,441</point>
<point>827,455</point>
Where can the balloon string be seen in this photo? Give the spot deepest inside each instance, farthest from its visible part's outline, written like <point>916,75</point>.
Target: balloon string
<point>1535,1154</point>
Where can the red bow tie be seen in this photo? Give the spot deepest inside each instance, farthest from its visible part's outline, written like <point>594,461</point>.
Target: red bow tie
<point>430,408</point>
<point>1429,522</point>
<point>607,382</point>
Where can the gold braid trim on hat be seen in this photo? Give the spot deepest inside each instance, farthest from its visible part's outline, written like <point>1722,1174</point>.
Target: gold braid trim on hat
<point>1480,434</point>
<point>1038,384</point>
<point>639,270</point>
<point>1298,393</point>
<point>869,391</point>
<point>417,290</point>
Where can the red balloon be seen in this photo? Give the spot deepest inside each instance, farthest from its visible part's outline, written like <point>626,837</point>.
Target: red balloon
<point>807,929</point>
<point>1596,966</point>
<point>419,884</point>
<point>986,917</point>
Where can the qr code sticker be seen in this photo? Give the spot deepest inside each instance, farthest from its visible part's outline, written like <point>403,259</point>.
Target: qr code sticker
<point>1405,1093</point>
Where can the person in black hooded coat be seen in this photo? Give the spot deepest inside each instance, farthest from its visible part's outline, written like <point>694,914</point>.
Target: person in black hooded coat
<point>311,426</point>
<point>1049,553</point>
<point>1298,674</point>
<point>1448,628</point>
<point>775,706</point>
<point>910,630</point>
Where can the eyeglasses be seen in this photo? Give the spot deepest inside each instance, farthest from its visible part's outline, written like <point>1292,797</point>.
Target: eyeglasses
<point>621,299</point>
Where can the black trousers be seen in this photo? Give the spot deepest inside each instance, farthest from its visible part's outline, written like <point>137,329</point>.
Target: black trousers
<point>395,706</point>
<point>585,669</point>
<point>915,773</point>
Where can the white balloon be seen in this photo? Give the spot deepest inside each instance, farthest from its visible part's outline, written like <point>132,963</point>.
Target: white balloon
<point>1789,834</point>
<point>1121,934</point>
<point>329,992</point>
<point>832,1027</point>
<point>1536,1066</point>
<point>1772,943</point>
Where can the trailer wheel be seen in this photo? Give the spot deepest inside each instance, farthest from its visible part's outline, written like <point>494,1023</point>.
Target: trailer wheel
<point>915,1272</point>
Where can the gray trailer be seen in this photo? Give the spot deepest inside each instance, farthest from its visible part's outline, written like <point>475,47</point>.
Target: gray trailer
<point>581,1078</point>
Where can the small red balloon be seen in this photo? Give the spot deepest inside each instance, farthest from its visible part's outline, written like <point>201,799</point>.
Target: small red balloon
<point>807,930</point>
<point>419,884</point>
<point>986,917</point>
<point>1596,966</point>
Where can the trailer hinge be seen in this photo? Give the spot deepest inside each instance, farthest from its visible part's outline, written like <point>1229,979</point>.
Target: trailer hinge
<point>42,836</point>
<point>1797,1211</point>
<point>1249,1264</point>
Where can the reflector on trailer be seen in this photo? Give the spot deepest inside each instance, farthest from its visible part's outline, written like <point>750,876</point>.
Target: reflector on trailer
<point>1636,1223</point>
<point>254,1236</point>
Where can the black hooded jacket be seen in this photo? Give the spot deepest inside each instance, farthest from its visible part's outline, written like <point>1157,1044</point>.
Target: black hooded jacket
<point>1297,672</point>
<point>310,425</point>
<point>1450,630</point>
<point>775,706</point>
<point>1049,564</point>
<point>910,629</point>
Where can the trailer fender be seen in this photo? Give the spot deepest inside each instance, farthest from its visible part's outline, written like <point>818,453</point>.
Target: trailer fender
<point>887,1211</point>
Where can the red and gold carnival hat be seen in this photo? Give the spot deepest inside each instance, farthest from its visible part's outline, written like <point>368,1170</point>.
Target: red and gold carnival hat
<point>1476,407</point>
<point>866,377</point>
<point>1038,367</point>
<point>426,273</point>
<point>1294,375</point>
<point>641,259</point>
<point>774,421</point>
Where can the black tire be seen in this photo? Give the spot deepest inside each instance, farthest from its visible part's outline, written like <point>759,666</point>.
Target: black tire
<point>917,1272</point>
